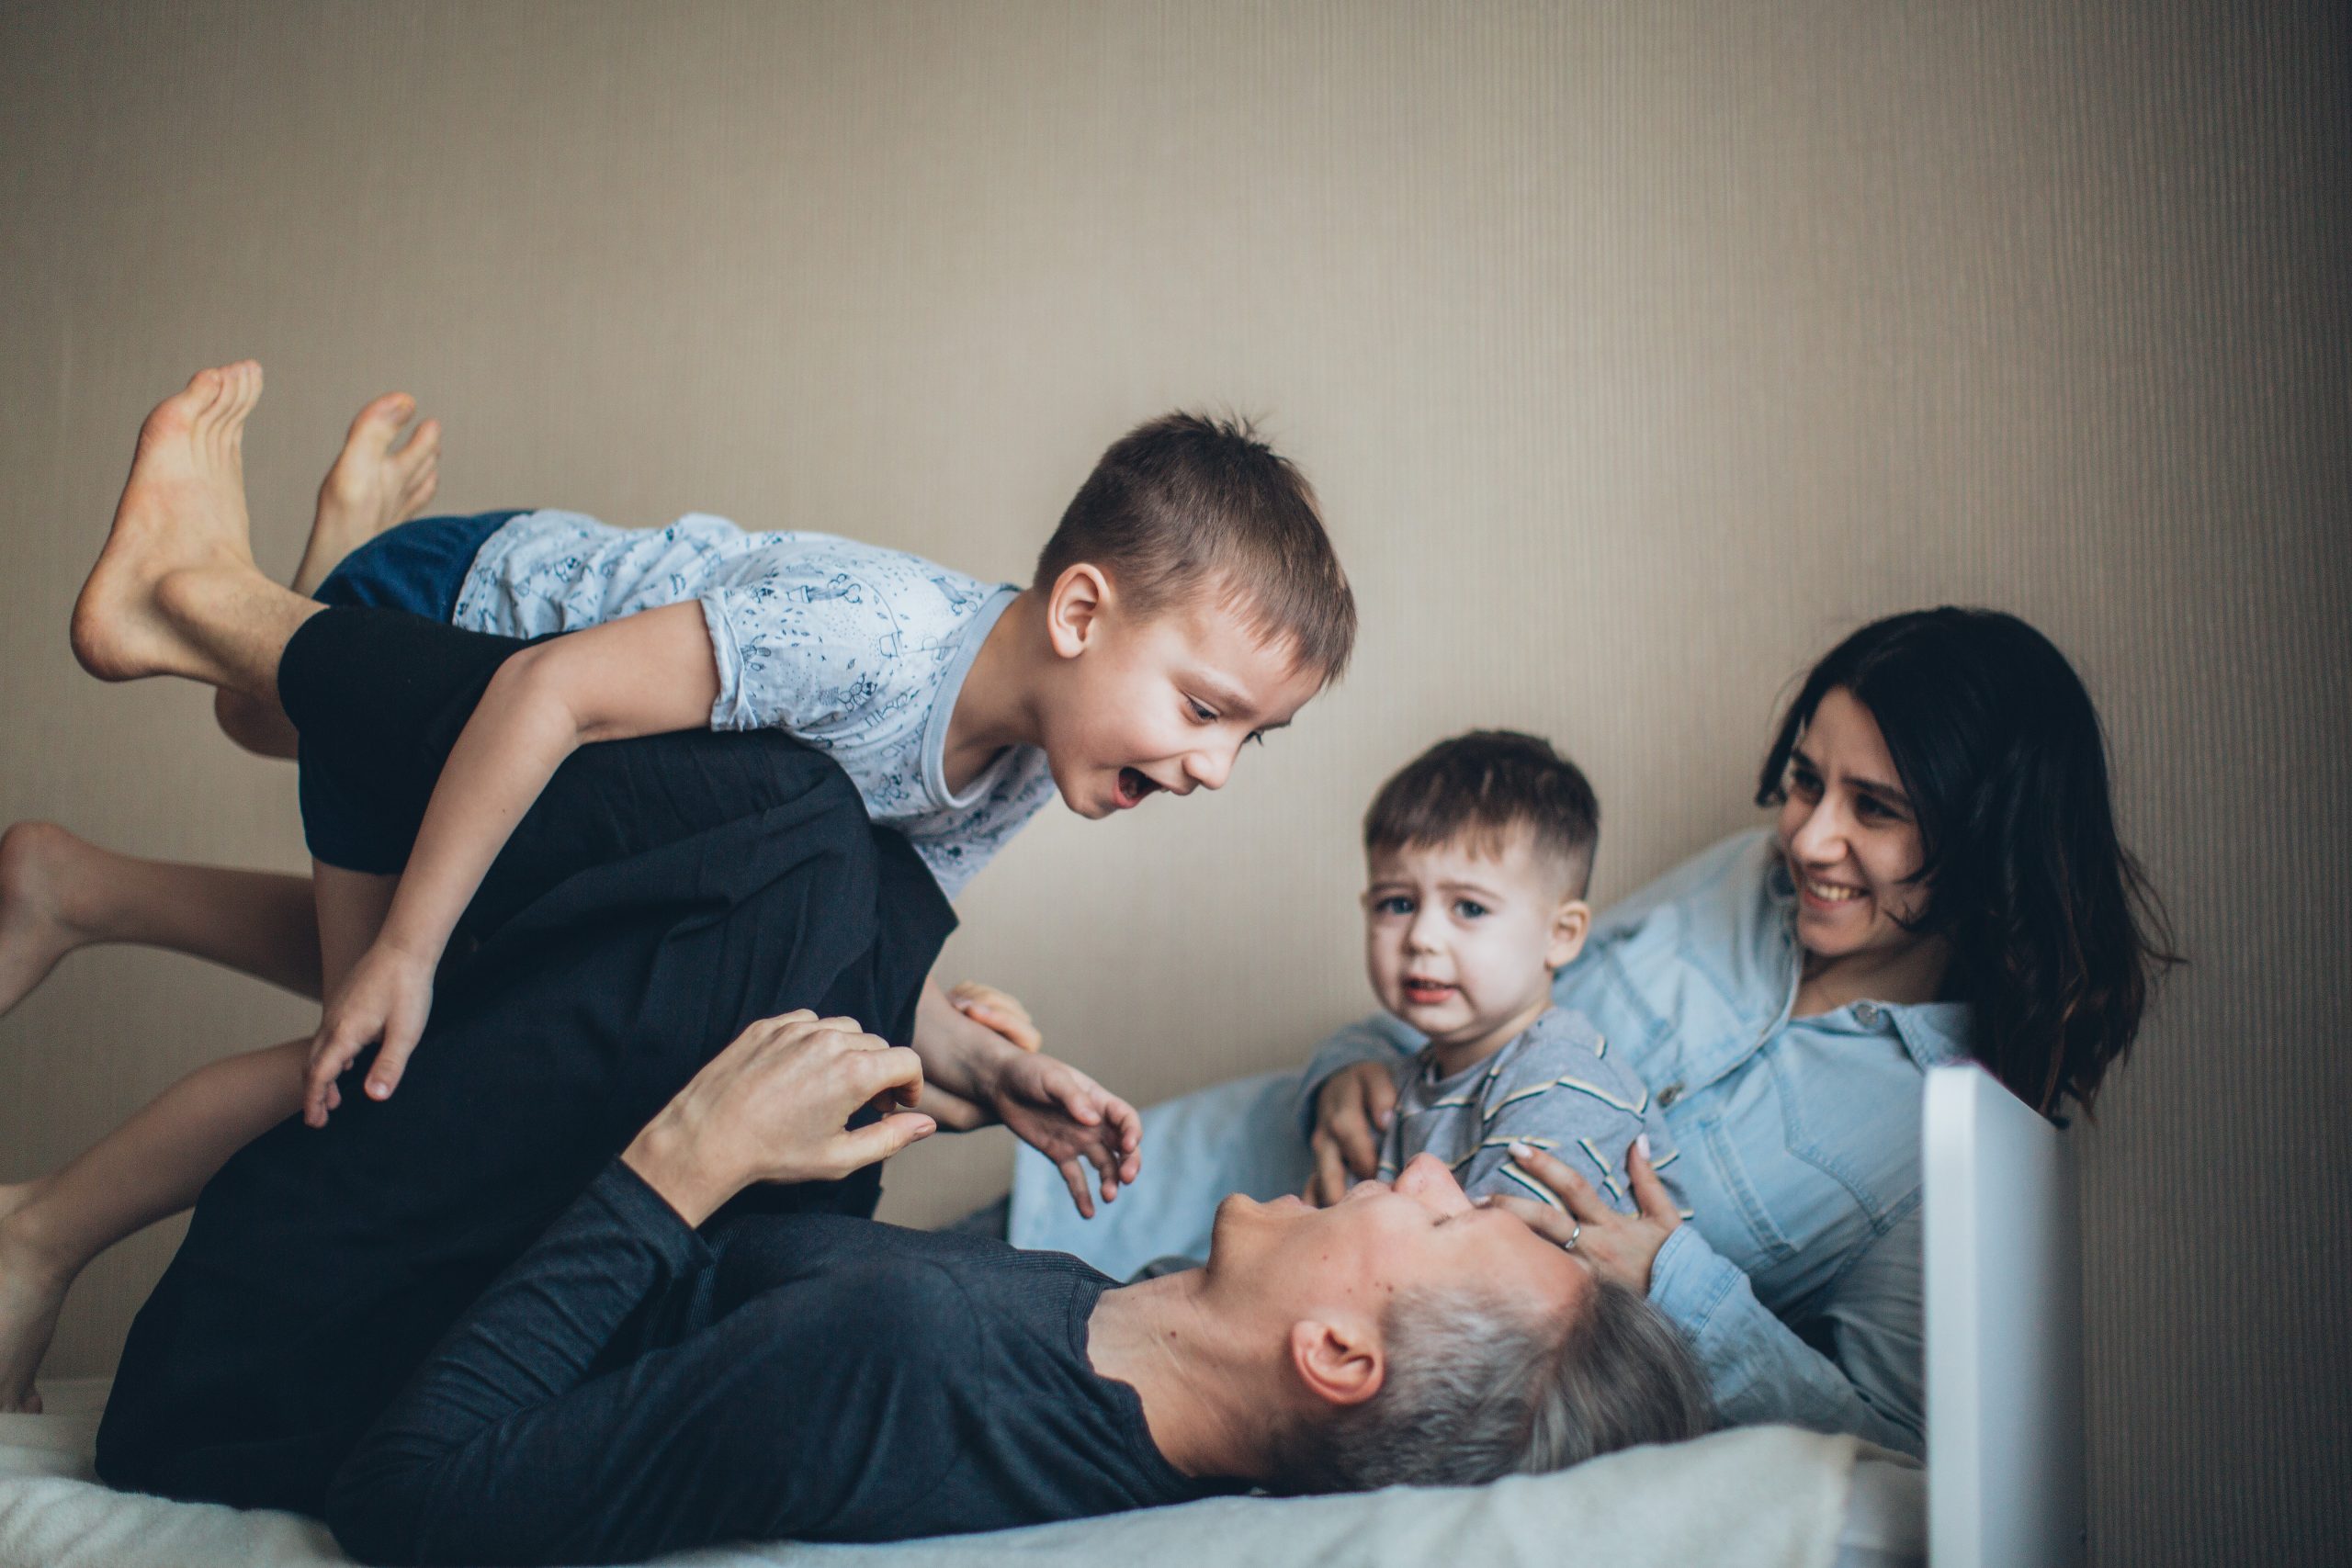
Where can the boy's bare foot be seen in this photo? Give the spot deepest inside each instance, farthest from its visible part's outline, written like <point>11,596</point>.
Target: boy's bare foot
<point>31,1289</point>
<point>34,930</point>
<point>182,513</point>
<point>372,486</point>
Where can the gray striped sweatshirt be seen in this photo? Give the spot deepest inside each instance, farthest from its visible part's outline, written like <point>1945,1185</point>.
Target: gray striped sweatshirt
<point>1554,1086</point>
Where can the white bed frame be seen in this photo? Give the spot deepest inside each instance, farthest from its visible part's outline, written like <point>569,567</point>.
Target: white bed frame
<point>2005,1331</point>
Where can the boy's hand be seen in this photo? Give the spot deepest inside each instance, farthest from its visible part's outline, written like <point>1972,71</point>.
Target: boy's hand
<point>388,995</point>
<point>1071,1120</point>
<point>1004,1014</point>
<point>1351,1115</point>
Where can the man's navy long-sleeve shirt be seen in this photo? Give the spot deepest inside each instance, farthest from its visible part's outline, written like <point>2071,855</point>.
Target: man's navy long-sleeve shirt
<point>628,1389</point>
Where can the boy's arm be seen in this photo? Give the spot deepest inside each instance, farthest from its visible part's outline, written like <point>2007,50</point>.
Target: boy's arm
<point>1048,1104</point>
<point>644,674</point>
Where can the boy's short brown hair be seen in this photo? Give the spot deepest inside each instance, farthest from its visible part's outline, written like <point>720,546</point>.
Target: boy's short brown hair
<point>1185,501</point>
<point>1484,787</point>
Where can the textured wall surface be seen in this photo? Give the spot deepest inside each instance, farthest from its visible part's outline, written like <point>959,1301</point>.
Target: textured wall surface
<point>1639,351</point>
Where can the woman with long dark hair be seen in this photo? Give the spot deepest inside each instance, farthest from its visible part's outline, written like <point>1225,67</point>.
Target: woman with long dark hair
<point>2040,917</point>
<point>1942,880</point>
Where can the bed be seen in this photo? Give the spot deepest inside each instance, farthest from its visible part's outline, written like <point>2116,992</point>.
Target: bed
<point>2004,1416</point>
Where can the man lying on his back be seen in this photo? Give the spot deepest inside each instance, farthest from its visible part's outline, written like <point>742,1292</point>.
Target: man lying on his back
<point>631,1386</point>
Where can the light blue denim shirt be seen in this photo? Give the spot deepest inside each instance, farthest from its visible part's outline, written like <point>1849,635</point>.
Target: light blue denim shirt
<point>1798,1276</point>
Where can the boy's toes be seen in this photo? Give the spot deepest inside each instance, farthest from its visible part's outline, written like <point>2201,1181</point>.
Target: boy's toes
<point>380,423</point>
<point>419,493</point>
<point>418,466</point>
<point>222,423</point>
<point>424,443</point>
<point>245,390</point>
<point>204,391</point>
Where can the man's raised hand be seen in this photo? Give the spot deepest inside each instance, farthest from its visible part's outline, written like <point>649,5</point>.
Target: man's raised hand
<point>774,1106</point>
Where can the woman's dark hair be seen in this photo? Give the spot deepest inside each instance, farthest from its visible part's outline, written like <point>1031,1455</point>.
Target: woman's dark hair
<point>2057,937</point>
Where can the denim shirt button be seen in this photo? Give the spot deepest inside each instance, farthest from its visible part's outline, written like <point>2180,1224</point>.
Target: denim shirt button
<point>1866,1014</point>
<point>1670,1094</point>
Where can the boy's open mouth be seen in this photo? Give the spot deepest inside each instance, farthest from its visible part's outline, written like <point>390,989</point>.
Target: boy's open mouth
<point>1133,784</point>
<point>1427,993</point>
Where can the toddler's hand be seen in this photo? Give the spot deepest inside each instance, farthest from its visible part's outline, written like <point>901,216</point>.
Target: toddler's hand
<point>993,1008</point>
<point>386,996</point>
<point>1351,1116</point>
<point>1071,1120</point>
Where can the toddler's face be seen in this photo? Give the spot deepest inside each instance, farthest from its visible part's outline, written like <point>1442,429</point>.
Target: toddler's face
<point>1165,702</point>
<point>1461,943</point>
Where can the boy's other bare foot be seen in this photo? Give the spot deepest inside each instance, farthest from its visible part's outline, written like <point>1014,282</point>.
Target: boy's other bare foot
<point>31,1289</point>
<point>35,931</point>
<point>372,486</point>
<point>183,511</point>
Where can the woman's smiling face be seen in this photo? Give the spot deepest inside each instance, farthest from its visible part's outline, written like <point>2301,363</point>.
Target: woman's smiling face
<point>1851,838</point>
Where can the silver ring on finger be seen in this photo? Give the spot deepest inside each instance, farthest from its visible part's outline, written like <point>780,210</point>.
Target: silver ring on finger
<point>1576,1231</point>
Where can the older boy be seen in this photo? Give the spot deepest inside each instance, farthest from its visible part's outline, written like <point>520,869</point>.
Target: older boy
<point>1188,602</point>
<point>1479,851</point>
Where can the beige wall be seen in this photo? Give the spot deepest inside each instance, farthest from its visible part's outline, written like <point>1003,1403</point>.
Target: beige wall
<point>1639,351</point>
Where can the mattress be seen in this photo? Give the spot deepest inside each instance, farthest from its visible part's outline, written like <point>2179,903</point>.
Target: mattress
<point>1762,1496</point>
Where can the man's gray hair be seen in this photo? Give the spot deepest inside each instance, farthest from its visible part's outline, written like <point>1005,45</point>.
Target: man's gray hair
<point>1479,1387</point>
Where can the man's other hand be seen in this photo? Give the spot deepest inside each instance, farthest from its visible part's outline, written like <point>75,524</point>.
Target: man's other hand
<point>774,1106</point>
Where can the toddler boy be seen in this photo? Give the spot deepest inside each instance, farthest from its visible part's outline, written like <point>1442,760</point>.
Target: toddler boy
<point>1479,852</point>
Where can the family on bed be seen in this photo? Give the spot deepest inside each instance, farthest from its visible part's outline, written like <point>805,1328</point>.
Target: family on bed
<point>632,857</point>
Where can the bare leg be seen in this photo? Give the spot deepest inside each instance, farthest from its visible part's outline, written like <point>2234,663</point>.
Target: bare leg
<point>175,590</point>
<point>260,727</point>
<point>147,1169</point>
<point>59,893</point>
<point>374,485</point>
<point>156,1163</point>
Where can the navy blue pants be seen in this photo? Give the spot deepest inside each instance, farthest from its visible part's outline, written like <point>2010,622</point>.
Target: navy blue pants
<point>661,895</point>
<point>419,567</point>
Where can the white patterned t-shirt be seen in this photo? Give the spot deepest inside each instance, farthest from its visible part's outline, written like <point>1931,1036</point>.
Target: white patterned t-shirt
<point>859,651</point>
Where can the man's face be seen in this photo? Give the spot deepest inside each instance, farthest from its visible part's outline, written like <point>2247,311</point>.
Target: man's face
<point>1461,943</point>
<point>1382,1239</point>
<point>1165,702</point>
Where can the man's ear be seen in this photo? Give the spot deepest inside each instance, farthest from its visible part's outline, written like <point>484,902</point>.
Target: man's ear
<point>1338,1363</point>
<point>1074,608</point>
<point>1570,924</point>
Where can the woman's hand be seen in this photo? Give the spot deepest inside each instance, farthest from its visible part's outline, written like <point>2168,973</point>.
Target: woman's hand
<point>1351,1115</point>
<point>386,996</point>
<point>1002,1013</point>
<point>1072,1121</point>
<point>773,1106</point>
<point>1621,1246</point>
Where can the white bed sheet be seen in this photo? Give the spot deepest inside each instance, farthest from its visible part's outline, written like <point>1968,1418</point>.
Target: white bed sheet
<point>1764,1495</point>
